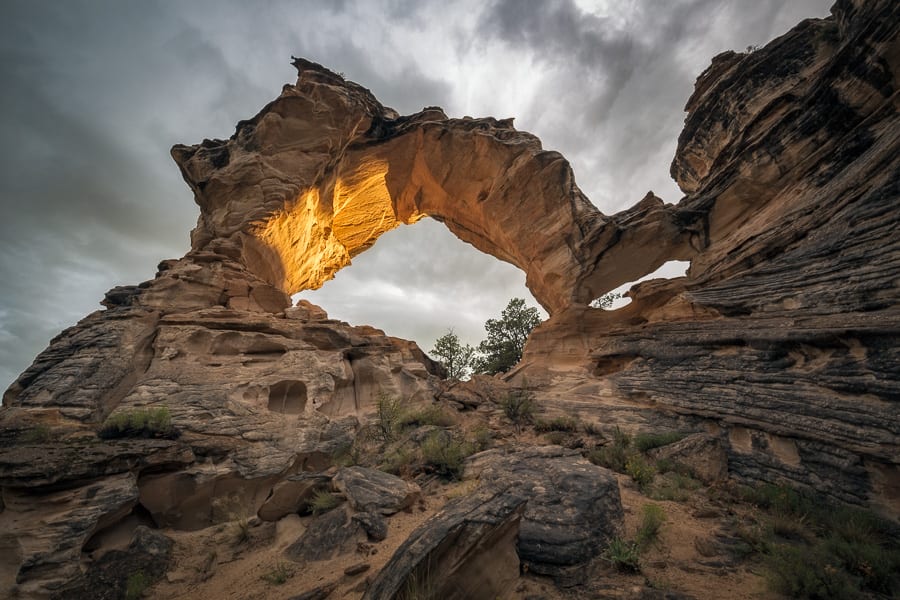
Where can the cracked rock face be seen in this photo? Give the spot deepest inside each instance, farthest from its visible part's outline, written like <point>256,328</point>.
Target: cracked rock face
<point>780,345</point>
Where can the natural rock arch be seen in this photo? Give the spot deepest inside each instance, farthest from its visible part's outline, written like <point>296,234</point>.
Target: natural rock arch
<point>322,171</point>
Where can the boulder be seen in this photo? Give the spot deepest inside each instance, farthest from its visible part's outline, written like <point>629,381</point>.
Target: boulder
<point>370,490</point>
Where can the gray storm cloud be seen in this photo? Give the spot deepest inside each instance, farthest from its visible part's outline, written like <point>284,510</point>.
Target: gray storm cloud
<point>96,92</point>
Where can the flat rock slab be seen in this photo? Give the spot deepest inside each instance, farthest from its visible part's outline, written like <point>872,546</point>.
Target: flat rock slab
<point>370,490</point>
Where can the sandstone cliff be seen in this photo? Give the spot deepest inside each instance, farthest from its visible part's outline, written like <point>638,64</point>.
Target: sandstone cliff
<point>781,343</point>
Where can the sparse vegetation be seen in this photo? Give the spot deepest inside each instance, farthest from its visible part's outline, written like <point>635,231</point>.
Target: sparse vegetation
<point>812,548</point>
<point>141,422</point>
<point>135,585</point>
<point>591,428</point>
<point>399,461</point>
<point>388,412</point>
<point>652,519</point>
<point>446,453</point>
<point>241,530</point>
<point>648,441</point>
<point>624,555</point>
<point>673,485</point>
<point>431,415</point>
<point>279,574</point>
<point>322,501</point>
<point>518,406</point>
<point>567,424</point>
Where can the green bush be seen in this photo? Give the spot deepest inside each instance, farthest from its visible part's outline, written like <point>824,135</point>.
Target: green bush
<point>673,486</point>
<point>151,422</point>
<point>557,438</point>
<point>591,428</point>
<point>388,413</point>
<point>623,555</point>
<point>567,424</point>
<point>399,461</point>
<point>652,519</point>
<point>640,470</point>
<point>648,441</point>
<point>279,574</point>
<point>482,437</point>
<point>446,454</point>
<point>518,406</point>
<point>135,586</point>
<point>431,415</point>
<point>612,456</point>
<point>322,501</point>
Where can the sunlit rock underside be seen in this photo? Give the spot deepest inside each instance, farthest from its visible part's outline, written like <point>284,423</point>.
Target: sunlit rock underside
<point>782,344</point>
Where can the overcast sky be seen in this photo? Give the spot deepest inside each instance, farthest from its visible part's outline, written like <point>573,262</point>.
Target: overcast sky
<point>96,92</point>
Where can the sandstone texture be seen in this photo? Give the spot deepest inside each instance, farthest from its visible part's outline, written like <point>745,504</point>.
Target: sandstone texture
<point>779,351</point>
<point>783,337</point>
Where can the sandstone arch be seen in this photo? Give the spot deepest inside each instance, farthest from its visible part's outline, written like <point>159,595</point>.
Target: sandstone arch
<point>322,171</point>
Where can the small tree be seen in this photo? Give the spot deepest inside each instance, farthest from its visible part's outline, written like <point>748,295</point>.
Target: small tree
<point>455,357</point>
<point>605,301</point>
<point>506,337</point>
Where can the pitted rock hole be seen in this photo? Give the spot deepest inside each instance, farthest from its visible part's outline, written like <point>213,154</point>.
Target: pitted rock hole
<point>287,397</point>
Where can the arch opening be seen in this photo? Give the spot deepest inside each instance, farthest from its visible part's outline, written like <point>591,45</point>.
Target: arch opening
<point>617,299</point>
<point>417,282</point>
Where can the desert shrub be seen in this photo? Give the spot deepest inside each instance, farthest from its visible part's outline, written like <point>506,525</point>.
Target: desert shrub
<point>557,438</point>
<point>814,548</point>
<point>420,584</point>
<point>482,437</point>
<point>446,453</point>
<point>652,519</point>
<point>802,573</point>
<point>279,574</point>
<point>518,406</point>
<point>568,424</point>
<point>431,415</point>
<point>322,501</point>
<point>640,470</point>
<point>673,486</point>
<point>241,530</point>
<point>648,441</point>
<point>135,585</point>
<point>624,555</point>
<point>388,413</point>
<point>612,456</point>
<point>591,428</point>
<point>151,422</point>
<point>400,461</point>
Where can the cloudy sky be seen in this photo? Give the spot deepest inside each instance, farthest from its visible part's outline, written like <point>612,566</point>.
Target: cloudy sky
<point>96,92</point>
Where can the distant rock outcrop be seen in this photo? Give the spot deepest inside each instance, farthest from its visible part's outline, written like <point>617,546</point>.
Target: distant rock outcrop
<point>781,345</point>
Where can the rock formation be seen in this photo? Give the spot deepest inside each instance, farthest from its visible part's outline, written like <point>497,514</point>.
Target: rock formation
<point>781,343</point>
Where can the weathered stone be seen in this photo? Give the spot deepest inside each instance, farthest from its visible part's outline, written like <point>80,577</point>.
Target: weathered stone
<point>328,535</point>
<point>468,550</point>
<point>374,524</point>
<point>317,593</point>
<point>42,532</point>
<point>370,490</point>
<point>146,556</point>
<point>291,495</point>
<point>564,492</point>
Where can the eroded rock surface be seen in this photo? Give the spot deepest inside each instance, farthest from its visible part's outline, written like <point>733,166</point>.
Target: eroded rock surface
<point>780,344</point>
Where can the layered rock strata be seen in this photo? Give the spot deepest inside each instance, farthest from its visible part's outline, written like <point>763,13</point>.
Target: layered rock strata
<point>783,337</point>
